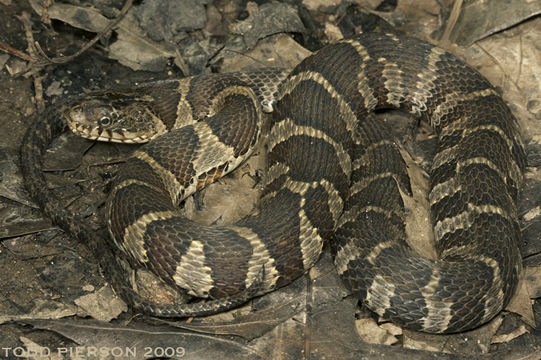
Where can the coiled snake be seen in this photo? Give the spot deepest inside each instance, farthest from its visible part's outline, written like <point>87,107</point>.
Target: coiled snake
<point>334,175</point>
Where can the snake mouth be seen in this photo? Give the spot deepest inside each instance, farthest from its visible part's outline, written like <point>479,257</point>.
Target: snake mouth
<point>107,135</point>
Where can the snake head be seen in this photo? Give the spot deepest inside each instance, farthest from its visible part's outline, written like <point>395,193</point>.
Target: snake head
<point>122,116</point>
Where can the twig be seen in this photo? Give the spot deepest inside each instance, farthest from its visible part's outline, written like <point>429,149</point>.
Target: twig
<point>260,62</point>
<point>38,58</point>
<point>27,24</point>
<point>13,51</point>
<point>520,64</point>
<point>451,22</point>
<point>44,13</point>
<point>38,86</point>
<point>38,93</point>
<point>102,33</point>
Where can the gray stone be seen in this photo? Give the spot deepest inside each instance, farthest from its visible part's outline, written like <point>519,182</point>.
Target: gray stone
<point>164,20</point>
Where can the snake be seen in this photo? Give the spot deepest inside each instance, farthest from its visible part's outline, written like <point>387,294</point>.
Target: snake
<point>335,178</point>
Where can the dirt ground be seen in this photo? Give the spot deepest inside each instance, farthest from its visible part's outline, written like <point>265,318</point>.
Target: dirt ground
<point>54,301</point>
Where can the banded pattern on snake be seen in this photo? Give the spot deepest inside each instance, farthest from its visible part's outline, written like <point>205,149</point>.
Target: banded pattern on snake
<point>334,175</point>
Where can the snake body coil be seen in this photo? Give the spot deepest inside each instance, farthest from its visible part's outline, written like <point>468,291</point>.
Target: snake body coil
<point>334,175</point>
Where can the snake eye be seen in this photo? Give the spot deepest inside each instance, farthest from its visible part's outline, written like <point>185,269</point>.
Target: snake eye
<point>105,121</point>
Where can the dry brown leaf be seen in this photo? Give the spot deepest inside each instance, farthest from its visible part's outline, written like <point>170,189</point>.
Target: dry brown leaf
<point>333,32</point>
<point>102,305</point>
<point>521,330</point>
<point>479,19</point>
<point>132,48</point>
<point>314,5</point>
<point>44,309</point>
<point>532,276</point>
<point>420,235</point>
<point>471,342</point>
<point>277,50</point>
<point>370,332</point>
<point>511,61</point>
<point>520,302</point>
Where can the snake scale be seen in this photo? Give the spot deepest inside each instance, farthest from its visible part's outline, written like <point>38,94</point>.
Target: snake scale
<point>334,176</point>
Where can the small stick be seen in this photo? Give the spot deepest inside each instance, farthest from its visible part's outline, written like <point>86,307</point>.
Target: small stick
<point>13,51</point>
<point>451,22</point>
<point>102,33</point>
